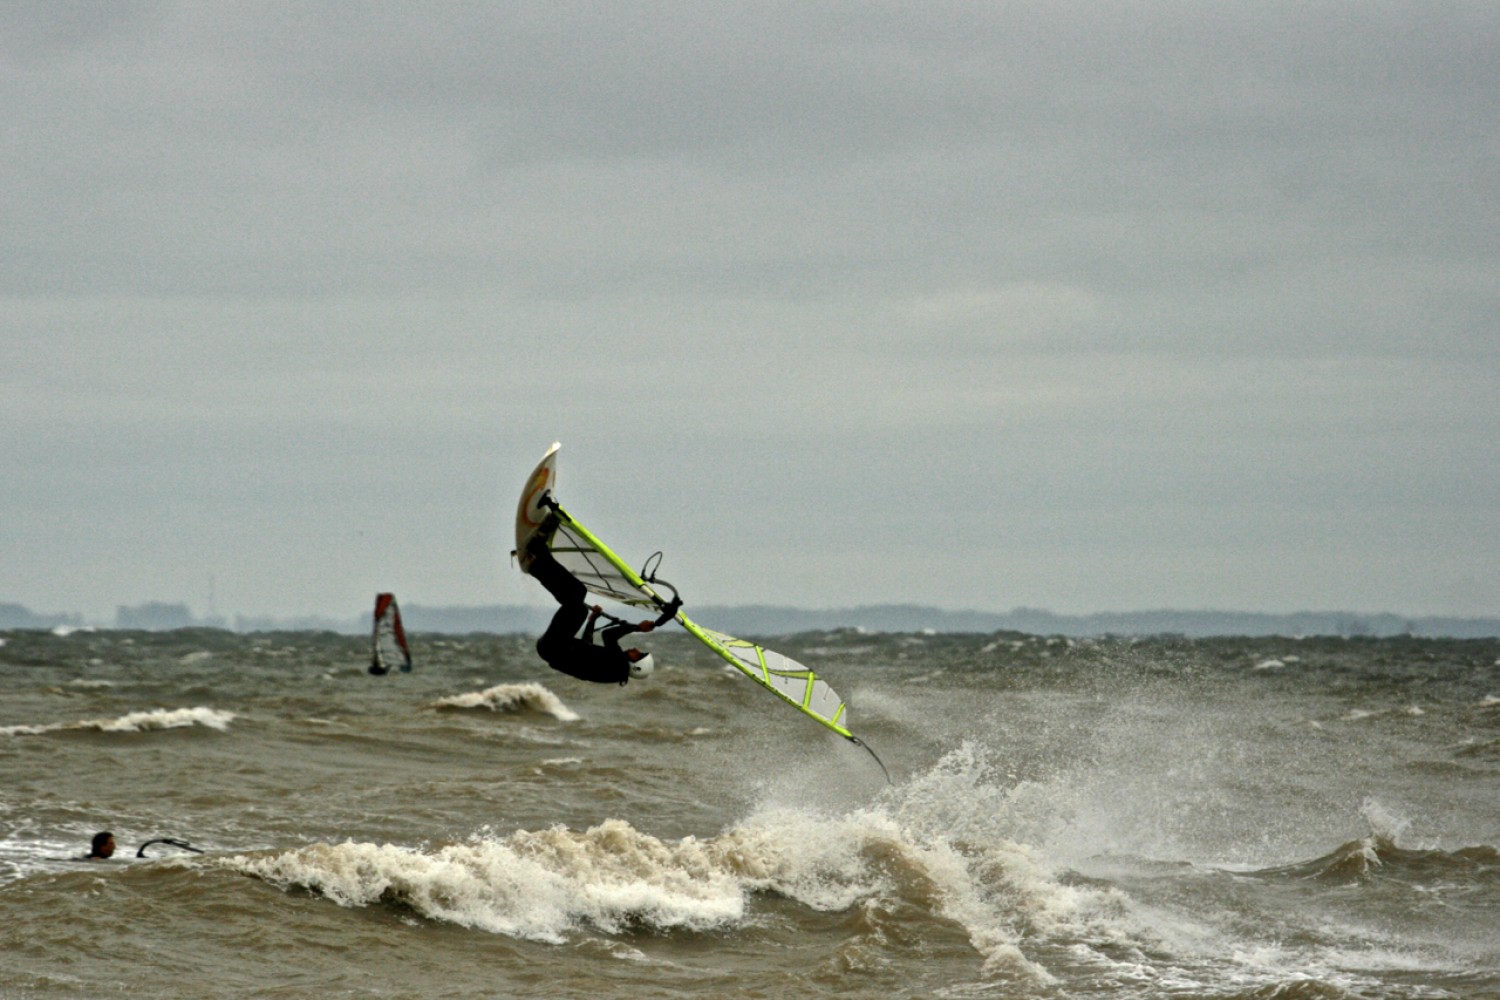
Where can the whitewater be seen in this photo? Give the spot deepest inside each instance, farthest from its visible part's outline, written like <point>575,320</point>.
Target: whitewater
<point>1113,818</point>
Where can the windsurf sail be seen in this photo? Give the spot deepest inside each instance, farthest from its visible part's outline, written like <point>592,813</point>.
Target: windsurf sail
<point>388,646</point>
<point>605,574</point>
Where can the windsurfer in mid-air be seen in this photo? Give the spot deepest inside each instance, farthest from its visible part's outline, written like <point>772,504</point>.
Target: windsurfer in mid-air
<point>561,646</point>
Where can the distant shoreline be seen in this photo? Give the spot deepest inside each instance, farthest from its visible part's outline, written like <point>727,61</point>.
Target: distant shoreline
<point>781,620</point>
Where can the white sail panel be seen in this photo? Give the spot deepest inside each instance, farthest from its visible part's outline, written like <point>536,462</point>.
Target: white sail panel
<point>780,673</point>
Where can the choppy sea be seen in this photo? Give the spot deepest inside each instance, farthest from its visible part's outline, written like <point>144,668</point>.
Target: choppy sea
<point>1226,818</point>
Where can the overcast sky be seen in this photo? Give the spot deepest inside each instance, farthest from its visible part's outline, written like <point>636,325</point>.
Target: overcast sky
<point>1080,306</point>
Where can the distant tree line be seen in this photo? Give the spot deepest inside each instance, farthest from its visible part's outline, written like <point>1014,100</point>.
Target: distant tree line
<point>18,616</point>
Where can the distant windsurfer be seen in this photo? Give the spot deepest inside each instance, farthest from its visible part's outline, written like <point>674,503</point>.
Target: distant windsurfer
<point>561,646</point>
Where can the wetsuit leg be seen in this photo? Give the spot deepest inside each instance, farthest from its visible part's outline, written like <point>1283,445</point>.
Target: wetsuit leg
<point>559,645</point>
<point>556,644</point>
<point>559,582</point>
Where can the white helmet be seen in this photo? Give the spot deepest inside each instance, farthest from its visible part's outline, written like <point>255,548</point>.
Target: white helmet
<point>643,666</point>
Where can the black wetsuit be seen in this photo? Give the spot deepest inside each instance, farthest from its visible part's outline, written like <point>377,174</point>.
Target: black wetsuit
<point>560,645</point>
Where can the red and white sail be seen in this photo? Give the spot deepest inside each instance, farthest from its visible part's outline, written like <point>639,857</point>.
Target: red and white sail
<point>388,646</point>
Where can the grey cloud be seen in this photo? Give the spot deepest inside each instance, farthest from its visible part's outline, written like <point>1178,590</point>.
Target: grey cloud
<point>1186,288</point>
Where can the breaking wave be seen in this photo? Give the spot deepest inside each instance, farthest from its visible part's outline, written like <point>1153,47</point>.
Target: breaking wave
<point>907,858</point>
<point>933,857</point>
<point>1377,857</point>
<point>511,698</point>
<point>134,722</point>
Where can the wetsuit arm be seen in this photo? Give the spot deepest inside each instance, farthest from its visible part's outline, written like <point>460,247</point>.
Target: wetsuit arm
<point>612,635</point>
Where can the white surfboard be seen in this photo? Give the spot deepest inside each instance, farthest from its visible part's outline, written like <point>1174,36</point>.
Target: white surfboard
<point>531,512</point>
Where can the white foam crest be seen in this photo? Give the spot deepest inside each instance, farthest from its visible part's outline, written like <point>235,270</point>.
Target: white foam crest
<point>820,862</point>
<point>134,722</point>
<point>544,885</point>
<point>830,864</point>
<point>939,837</point>
<point>63,631</point>
<point>20,857</point>
<point>512,698</point>
<point>535,885</point>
